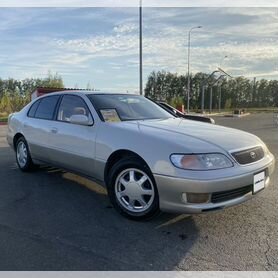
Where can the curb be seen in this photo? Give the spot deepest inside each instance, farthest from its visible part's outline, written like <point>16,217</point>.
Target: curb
<point>237,115</point>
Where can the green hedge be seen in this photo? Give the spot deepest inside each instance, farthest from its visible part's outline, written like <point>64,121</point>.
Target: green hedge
<point>3,119</point>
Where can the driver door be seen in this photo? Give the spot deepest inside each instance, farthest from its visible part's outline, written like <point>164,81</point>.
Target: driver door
<point>73,145</point>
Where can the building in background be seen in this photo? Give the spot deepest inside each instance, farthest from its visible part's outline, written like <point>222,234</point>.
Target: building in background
<point>40,91</point>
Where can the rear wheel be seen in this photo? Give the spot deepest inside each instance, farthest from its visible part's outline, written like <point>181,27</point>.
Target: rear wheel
<point>132,189</point>
<point>23,157</point>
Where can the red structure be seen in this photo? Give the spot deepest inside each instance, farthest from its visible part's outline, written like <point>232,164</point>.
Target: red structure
<point>40,91</point>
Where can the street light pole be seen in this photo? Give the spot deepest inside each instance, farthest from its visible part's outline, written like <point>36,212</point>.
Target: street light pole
<point>210,99</point>
<point>219,100</point>
<point>188,66</point>
<point>204,83</point>
<point>221,61</point>
<point>203,99</point>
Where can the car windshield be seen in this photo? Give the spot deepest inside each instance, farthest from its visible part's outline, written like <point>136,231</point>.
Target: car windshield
<point>113,107</point>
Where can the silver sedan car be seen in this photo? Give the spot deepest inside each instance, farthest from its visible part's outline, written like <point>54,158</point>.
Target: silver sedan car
<point>148,159</point>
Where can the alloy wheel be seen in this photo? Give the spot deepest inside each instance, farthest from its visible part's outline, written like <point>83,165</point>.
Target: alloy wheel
<point>21,154</point>
<point>134,190</point>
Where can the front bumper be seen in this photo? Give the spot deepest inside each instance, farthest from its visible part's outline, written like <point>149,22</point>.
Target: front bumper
<point>171,190</point>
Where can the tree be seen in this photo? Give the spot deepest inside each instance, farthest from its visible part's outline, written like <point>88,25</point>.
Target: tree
<point>5,104</point>
<point>52,81</point>
<point>238,92</point>
<point>14,94</point>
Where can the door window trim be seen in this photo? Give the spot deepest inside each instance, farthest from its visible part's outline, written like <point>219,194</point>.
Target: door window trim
<point>58,107</point>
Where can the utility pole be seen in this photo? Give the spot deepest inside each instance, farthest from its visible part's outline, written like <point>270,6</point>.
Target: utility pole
<point>140,50</point>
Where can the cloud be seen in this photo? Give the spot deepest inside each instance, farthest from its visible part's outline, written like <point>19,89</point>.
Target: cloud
<point>135,3</point>
<point>102,44</point>
<point>126,28</point>
<point>119,44</point>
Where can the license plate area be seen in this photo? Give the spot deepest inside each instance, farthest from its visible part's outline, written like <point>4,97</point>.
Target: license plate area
<point>259,182</point>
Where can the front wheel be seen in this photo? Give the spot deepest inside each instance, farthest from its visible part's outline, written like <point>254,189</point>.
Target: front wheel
<point>132,189</point>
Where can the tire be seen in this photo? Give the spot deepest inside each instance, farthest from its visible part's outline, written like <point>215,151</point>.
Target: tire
<point>23,157</point>
<point>134,196</point>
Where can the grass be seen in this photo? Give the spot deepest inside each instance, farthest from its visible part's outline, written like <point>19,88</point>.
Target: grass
<point>3,119</point>
<point>262,109</point>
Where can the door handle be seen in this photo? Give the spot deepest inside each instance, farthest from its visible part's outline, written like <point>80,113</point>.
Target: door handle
<point>54,130</point>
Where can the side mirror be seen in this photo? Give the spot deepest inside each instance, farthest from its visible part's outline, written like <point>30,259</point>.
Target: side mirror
<point>79,120</point>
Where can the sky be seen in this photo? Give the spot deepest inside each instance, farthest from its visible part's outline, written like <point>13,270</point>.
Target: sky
<point>99,46</point>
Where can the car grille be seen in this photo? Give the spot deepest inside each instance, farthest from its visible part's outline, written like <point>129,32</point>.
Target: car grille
<point>249,155</point>
<point>222,196</point>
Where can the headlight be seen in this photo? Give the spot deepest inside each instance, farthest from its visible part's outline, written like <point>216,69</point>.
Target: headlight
<point>208,161</point>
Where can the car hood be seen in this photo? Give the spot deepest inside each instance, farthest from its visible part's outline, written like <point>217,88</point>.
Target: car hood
<point>225,138</point>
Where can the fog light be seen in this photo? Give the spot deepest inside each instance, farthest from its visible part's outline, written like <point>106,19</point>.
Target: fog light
<point>196,198</point>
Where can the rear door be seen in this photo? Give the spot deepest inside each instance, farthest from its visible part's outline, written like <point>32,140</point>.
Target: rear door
<point>37,126</point>
<point>73,145</point>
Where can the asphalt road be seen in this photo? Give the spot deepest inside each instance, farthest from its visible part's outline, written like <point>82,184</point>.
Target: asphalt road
<point>53,220</point>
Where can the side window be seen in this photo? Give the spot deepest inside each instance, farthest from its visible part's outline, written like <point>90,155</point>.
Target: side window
<point>46,108</point>
<point>72,105</point>
<point>33,109</point>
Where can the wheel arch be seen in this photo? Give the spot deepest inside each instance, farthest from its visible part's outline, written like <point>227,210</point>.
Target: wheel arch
<point>116,156</point>
<point>16,137</point>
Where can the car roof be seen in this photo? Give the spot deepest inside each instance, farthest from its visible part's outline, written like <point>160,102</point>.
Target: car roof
<point>80,92</point>
<point>87,92</point>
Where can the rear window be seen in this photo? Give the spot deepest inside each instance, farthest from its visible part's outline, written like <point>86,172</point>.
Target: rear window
<point>46,108</point>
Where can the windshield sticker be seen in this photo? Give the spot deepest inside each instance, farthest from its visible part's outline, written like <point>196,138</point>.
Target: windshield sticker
<point>110,115</point>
